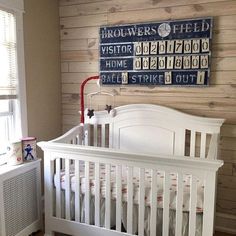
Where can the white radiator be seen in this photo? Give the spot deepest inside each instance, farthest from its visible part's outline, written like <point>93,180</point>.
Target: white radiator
<point>20,199</point>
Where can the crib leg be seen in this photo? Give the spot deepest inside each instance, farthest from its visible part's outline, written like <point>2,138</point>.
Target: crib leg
<point>48,231</point>
<point>49,201</point>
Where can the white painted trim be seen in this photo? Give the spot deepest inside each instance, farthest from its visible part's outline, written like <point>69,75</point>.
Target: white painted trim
<point>16,5</point>
<point>21,74</point>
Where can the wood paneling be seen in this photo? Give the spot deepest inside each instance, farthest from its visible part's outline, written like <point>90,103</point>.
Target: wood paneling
<point>80,21</point>
<point>80,44</point>
<point>222,8</point>
<point>83,21</point>
<point>124,6</point>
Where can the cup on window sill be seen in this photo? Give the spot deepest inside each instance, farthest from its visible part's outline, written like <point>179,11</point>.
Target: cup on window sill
<point>29,149</point>
<point>14,153</point>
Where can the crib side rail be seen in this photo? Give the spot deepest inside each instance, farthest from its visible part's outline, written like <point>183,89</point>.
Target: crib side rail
<point>98,153</point>
<point>73,136</point>
<point>198,170</point>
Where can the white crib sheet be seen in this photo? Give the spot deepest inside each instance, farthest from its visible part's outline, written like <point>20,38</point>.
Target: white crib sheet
<point>160,178</point>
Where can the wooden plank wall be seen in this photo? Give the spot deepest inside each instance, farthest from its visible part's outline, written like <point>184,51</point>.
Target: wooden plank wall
<point>80,21</point>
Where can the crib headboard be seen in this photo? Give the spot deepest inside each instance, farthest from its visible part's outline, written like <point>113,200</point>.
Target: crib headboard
<point>153,129</point>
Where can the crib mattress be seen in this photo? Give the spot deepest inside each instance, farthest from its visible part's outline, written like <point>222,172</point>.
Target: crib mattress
<point>148,180</point>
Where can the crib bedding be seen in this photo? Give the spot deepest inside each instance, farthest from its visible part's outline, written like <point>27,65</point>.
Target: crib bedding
<point>148,177</point>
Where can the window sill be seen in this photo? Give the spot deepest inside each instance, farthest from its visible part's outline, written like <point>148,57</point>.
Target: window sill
<point>3,158</point>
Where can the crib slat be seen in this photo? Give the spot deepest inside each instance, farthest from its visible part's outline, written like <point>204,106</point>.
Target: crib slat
<point>193,205</point>
<point>95,135</point>
<point>87,193</point>
<point>192,143</point>
<point>67,188</point>
<point>97,194</point>
<point>212,152</point>
<point>180,142</point>
<point>130,200</point>
<point>141,202</point>
<point>111,132</point>
<point>209,203</point>
<point>58,187</point>
<point>74,140</point>
<point>108,197</point>
<point>179,205</point>
<point>153,204</point>
<point>87,135</point>
<point>49,185</point>
<point>77,190</point>
<point>63,163</point>
<point>78,139</point>
<point>118,197</point>
<point>203,145</point>
<point>103,134</point>
<point>80,136</point>
<point>166,199</point>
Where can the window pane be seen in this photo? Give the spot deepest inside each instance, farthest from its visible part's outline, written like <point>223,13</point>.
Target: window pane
<point>4,106</point>
<point>7,53</point>
<point>9,109</point>
<point>5,127</point>
<point>7,26</point>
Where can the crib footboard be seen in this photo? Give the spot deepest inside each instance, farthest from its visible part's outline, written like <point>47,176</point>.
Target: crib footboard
<point>100,191</point>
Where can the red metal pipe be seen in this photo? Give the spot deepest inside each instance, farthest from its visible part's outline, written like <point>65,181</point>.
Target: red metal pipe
<point>82,96</point>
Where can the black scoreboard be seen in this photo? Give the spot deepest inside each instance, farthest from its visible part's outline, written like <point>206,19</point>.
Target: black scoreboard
<point>160,53</point>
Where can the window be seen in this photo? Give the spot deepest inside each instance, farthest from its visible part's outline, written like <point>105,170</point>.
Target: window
<point>13,122</point>
<point>8,76</point>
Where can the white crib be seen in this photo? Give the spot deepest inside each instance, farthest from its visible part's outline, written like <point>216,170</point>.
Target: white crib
<point>139,170</point>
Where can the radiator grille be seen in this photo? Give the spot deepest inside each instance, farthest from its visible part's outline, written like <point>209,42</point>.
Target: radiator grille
<point>20,201</point>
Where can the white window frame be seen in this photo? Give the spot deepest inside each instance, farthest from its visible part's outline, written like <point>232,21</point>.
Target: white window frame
<point>17,8</point>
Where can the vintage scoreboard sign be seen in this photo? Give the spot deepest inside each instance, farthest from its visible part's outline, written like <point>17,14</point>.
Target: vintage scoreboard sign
<point>160,53</point>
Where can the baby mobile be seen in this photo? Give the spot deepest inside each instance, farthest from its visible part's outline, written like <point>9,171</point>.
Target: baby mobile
<point>90,111</point>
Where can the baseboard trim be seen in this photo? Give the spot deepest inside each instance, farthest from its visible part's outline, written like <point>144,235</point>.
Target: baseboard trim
<point>225,223</point>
